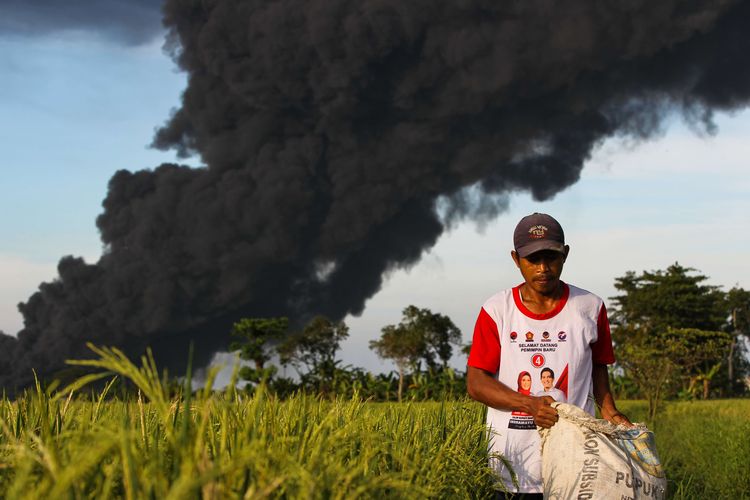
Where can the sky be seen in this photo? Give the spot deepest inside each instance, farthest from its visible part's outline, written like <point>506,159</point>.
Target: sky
<point>76,106</point>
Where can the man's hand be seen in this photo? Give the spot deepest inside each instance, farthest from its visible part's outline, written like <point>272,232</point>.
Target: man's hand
<point>484,387</point>
<point>604,399</point>
<point>544,415</point>
<point>615,417</point>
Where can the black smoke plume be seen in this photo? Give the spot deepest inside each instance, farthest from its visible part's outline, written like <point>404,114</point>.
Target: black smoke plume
<point>332,130</point>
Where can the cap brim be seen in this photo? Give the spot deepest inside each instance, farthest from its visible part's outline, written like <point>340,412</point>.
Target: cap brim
<point>540,245</point>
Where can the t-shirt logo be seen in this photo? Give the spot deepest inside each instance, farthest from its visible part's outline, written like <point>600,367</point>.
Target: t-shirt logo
<point>529,336</point>
<point>545,336</point>
<point>537,360</point>
<point>513,335</point>
<point>561,336</point>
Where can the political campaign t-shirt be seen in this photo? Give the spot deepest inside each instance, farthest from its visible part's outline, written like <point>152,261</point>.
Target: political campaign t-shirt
<point>516,344</point>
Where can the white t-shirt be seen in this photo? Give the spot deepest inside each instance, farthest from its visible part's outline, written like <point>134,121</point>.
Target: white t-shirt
<point>513,342</point>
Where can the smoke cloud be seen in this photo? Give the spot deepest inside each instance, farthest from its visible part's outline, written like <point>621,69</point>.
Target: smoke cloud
<point>132,22</point>
<point>333,130</point>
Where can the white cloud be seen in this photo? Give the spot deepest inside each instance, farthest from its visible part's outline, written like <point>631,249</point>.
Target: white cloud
<point>19,278</point>
<point>680,152</point>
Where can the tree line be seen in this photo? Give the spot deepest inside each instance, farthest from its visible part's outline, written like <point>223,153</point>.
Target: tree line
<point>420,346</point>
<point>675,337</point>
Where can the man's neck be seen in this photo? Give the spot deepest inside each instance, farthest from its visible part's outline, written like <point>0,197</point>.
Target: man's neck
<point>540,303</point>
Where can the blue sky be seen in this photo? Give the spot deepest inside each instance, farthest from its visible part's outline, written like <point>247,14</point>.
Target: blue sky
<point>75,108</point>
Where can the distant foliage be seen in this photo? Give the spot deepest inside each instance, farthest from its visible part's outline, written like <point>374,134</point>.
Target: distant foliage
<point>673,333</point>
<point>738,357</point>
<point>252,338</point>
<point>422,340</point>
<point>420,336</point>
<point>313,354</point>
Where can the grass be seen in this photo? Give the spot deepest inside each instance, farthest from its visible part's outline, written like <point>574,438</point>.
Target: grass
<point>227,445</point>
<point>704,446</point>
<point>54,444</point>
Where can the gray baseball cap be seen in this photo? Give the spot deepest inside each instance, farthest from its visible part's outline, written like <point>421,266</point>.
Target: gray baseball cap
<point>537,232</point>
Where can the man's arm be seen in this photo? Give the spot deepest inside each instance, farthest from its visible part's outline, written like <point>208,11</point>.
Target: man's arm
<point>603,396</point>
<point>486,389</point>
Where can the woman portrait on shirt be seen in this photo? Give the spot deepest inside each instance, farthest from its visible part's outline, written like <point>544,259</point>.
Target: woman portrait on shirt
<point>524,383</point>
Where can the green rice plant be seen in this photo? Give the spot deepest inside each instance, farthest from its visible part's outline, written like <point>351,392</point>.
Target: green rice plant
<point>705,446</point>
<point>230,445</point>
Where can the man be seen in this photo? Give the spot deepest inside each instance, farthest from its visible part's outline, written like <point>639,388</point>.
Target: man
<point>548,379</point>
<point>541,323</point>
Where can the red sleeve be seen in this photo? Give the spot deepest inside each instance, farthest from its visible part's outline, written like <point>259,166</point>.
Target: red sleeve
<point>485,347</point>
<point>601,350</point>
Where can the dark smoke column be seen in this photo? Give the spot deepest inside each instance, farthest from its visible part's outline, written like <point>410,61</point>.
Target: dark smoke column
<point>331,129</point>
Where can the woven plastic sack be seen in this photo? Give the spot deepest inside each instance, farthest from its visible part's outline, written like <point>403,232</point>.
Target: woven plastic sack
<point>587,458</point>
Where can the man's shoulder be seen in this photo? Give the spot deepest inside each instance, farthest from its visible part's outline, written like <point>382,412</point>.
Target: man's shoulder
<point>581,295</point>
<point>500,298</point>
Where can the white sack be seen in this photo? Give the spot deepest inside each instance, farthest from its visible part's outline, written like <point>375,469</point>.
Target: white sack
<point>586,458</point>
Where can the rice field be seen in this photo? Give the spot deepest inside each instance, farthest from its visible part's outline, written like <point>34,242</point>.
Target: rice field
<point>228,445</point>
<point>70,443</point>
<point>704,445</point>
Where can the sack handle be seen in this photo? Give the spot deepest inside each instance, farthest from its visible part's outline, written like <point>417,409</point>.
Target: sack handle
<point>581,418</point>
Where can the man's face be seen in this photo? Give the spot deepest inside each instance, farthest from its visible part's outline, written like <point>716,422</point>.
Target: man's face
<point>547,380</point>
<point>541,270</point>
